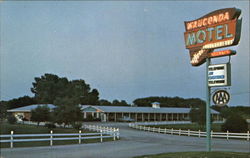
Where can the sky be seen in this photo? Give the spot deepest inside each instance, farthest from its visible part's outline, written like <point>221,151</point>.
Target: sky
<point>126,49</point>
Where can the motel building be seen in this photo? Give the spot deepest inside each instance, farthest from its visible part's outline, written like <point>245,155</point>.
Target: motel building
<point>123,113</point>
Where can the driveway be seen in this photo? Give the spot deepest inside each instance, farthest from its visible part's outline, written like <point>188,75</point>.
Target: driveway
<point>132,143</point>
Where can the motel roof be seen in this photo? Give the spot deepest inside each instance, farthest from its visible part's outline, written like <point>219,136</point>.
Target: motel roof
<point>131,109</point>
<point>114,109</point>
<point>30,107</point>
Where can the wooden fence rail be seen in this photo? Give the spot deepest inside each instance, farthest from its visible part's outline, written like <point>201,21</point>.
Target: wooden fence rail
<point>101,133</point>
<point>226,135</point>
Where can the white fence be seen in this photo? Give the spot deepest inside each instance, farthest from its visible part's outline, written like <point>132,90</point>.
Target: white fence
<point>115,132</point>
<point>102,132</point>
<point>163,122</point>
<point>226,135</point>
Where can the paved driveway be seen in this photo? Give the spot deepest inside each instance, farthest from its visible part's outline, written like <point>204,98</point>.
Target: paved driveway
<point>132,143</point>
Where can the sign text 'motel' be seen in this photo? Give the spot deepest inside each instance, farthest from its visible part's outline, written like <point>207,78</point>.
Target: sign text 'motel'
<point>220,28</point>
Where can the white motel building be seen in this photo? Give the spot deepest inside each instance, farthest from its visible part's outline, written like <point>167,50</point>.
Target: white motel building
<point>121,113</point>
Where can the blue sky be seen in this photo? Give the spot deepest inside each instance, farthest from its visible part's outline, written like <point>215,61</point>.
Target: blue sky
<point>125,49</point>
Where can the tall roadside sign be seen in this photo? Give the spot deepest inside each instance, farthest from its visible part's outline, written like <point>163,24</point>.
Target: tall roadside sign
<point>218,29</point>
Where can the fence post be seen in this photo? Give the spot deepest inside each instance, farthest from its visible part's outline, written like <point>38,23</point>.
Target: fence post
<point>188,132</point>
<point>118,133</point>
<point>11,139</point>
<point>107,130</point>
<point>172,131</point>
<point>101,135</point>
<point>179,132</point>
<point>211,134</point>
<point>165,130</point>
<point>51,138</point>
<point>199,133</point>
<point>113,133</point>
<point>80,136</point>
<point>227,135</point>
<point>248,135</point>
<point>159,130</point>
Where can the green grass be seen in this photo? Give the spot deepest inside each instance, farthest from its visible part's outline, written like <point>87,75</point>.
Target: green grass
<point>199,155</point>
<point>33,129</point>
<point>193,127</point>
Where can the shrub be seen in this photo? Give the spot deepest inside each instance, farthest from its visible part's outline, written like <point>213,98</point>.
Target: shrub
<point>12,119</point>
<point>77,125</point>
<point>90,118</point>
<point>24,119</point>
<point>235,123</point>
<point>50,125</point>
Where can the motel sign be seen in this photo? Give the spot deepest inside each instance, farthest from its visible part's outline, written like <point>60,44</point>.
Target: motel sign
<point>220,28</point>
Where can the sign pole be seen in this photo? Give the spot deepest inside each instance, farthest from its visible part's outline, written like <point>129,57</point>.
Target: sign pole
<point>208,119</point>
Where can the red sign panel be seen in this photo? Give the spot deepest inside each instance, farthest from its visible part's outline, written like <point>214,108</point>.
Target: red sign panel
<point>221,53</point>
<point>217,29</point>
<point>215,36</point>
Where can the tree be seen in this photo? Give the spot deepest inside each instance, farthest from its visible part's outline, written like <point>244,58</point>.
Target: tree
<point>40,114</point>
<point>104,102</point>
<point>67,112</point>
<point>169,102</point>
<point>92,98</point>
<point>119,103</point>
<point>19,102</point>
<point>11,119</point>
<point>235,123</point>
<point>49,88</point>
<point>227,112</point>
<point>3,110</point>
<point>198,115</point>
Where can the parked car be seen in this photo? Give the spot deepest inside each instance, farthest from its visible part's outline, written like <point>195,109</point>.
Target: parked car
<point>126,119</point>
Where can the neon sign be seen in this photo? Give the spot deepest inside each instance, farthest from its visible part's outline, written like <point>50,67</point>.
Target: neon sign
<point>220,28</point>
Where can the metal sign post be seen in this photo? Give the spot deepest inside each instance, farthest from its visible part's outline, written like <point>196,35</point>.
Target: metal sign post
<point>208,111</point>
<point>218,29</point>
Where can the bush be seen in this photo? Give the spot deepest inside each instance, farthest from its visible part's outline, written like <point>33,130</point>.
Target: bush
<point>235,123</point>
<point>12,119</point>
<point>90,118</point>
<point>50,125</point>
<point>24,119</point>
<point>77,125</point>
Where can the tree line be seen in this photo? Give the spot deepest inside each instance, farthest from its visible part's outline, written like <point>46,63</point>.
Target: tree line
<point>67,95</point>
<point>170,102</point>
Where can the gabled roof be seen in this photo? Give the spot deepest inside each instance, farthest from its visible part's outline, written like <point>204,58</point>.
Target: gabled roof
<point>130,109</point>
<point>113,109</point>
<point>30,107</point>
<point>156,103</point>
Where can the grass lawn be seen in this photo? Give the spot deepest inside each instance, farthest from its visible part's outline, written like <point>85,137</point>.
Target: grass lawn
<point>199,155</point>
<point>216,127</point>
<point>33,129</point>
